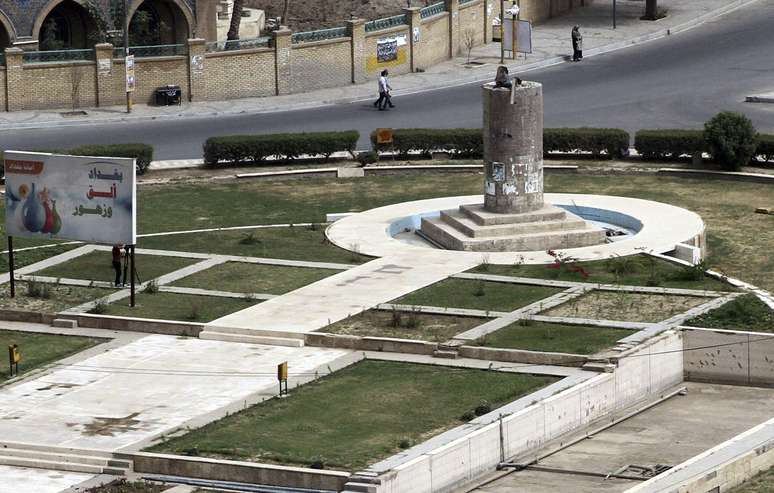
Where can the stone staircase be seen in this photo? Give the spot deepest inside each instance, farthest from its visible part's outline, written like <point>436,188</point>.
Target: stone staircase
<point>362,482</point>
<point>471,228</point>
<point>62,459</point>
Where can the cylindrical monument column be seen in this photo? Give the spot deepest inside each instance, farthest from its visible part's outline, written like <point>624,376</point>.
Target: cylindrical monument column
<point>513,148</point>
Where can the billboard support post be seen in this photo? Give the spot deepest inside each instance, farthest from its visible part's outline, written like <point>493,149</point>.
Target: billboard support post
<point>131,268</point>
<point>10,266</point>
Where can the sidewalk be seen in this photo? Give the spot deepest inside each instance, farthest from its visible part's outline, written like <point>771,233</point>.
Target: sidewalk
<point>551,45</point>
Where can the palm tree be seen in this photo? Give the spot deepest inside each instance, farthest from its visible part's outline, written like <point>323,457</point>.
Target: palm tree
<point>236,18</point>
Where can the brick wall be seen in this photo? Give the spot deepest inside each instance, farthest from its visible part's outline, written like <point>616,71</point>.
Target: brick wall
<point>154,73</point>
<point>400,66</point>
<point>434,46</point>
<point>232,75</point>
<point>2,89</point>
<point>471,17</point>
<point>51,85</point>
<point>538,11</point>
<point>320,64</point>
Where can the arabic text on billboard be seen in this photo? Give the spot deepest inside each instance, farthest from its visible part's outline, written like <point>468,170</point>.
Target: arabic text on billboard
<point>69,197</point>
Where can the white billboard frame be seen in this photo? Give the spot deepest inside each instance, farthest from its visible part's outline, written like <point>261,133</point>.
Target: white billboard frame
<point>63,197</point>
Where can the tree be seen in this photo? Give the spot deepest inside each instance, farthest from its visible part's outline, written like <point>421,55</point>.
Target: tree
<point>651,10</point>
<point>732,139</point>
<point>470,42</point>
<point>286,13</point>
<point>236,19</point>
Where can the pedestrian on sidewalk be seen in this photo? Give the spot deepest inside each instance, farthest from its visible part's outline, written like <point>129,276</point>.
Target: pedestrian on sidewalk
<point>384,92</point>
<point>577,44</point>
<point>116,252</point>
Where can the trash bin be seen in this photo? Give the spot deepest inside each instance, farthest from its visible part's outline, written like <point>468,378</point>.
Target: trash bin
<point>168,95</point>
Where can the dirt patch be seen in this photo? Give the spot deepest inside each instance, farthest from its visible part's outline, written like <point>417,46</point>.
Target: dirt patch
<point>52,298</point>
<point>108,427</point>
<point>627,307</point>
<point>404,325</point>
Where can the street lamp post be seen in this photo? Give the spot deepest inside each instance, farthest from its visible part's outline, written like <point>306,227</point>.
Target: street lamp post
<point>502,32</point>
<point>126,52</point>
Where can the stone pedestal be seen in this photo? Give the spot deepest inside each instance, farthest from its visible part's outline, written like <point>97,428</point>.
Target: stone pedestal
<point>513,216</point>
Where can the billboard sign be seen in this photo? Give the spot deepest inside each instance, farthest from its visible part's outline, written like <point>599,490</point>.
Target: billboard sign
<point>90,199</point>
<point>387,50</point>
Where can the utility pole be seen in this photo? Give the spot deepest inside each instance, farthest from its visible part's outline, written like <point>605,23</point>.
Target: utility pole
<point>502,31</point>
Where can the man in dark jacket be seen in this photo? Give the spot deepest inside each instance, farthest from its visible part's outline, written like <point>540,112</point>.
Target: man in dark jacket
<point>577,44</point>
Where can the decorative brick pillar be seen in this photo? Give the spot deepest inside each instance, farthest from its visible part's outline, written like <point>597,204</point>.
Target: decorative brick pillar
<point>453,7</point>
<point>489,14</point>
<point>14,79</point>
<point>356,31</point>
<point>196,68</point>
<point>103,54</point>
<point>283,49</point>
<point>414,20</point>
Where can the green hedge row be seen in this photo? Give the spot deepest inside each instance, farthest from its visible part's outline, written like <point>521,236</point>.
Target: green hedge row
<point>143,153</point>
<point>674,143</point>
<point>467,142</point>
<point>257,148</point>
<point>669,143</point>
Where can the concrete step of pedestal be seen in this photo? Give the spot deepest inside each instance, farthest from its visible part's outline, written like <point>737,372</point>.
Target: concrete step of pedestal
<point>469,227</point>
<point>62,459</point>
<point>453,239</point>
<point>482,217</point>
<point>250,339</point>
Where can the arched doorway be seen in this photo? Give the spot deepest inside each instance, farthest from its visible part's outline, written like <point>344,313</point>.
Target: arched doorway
<point>67,26</point>
<point>158,22</point>
<point>5,37</point>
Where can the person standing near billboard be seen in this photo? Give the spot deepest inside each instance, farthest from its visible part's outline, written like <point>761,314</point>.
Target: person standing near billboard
<point>116,252</point>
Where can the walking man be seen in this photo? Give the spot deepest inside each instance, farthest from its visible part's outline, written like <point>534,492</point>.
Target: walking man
<point>384,92</point>
<point>577,44</point>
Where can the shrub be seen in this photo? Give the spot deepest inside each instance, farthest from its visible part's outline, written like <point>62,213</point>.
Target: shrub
<point>257,148</point>
<point>461,142</point>
<point>483,408</point>
<point>367,157</point>
<point>731,138</point>
<point>669,143</point>
<point>765,149</point>
<point>143,153</point>
<point>468,416</point>
<point>611,142</point>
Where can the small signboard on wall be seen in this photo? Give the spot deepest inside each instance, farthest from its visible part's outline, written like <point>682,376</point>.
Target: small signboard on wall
<point>522,41</point>
<point>130,80</point>
<point>387,50</point>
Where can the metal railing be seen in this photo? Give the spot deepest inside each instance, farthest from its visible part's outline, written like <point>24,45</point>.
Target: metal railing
<point>152,51</point>
<point>57,56</point>
<point>319,35</point>
<point>239,44</point>
<point>386,23</point>
<point>432,10</point>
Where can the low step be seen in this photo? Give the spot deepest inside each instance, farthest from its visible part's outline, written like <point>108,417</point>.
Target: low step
<point>248,339</point>
<point>445,354</point>
<point>360,487</point>
<point>485,218</point>
<point>470,228</point>
<point>56,456</point>
<point>64,323</point>
<point>57,466</point>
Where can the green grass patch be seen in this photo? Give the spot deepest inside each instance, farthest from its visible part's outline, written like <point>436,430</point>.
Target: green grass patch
<point>746,312</point>
<point>634,270</point>
<point>296,243</point>
<point>558,338</point>
<point>181,307</point>
<point>239,277</point>
<point>356,416</point>
<point>404,325</point>
<point>29,257</point>
<point>478,295</point>
<point>41,349</point>
<point>97,266</point>
<point>35,296</point>
<point>760,483</point>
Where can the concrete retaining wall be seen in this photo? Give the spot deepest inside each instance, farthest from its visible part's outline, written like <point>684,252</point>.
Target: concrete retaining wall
<point>29,317</point>
<point>521,356</point>
<point>642,374</point>
<point>384,344</point>
<point>243,472</point>
<point>730,357</point>
<point>152,326</point>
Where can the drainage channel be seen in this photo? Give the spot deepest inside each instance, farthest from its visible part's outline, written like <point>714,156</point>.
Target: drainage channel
<point>231,486</point>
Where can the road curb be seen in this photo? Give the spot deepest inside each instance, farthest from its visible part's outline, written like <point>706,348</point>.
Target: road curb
<point>515,69</point>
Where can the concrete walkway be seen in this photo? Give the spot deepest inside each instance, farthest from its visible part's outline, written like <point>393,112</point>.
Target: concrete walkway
<point>551,45</point>
<point>339,296</point>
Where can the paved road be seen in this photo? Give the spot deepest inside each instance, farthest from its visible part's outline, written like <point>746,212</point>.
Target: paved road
<point>678,81</point>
